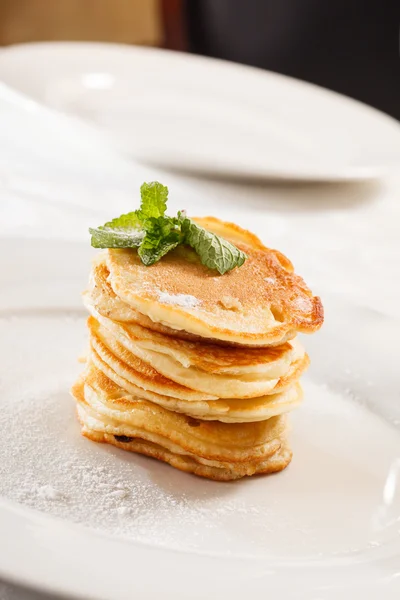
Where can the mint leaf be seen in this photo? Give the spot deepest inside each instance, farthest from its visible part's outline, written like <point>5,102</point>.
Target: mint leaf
<point>162,235</point>
<point>128,231</point>
<point>154,234</point>
<point>214,251</point>
<point>123,232</point>
<point>154,197</point>
<point>150,255</point>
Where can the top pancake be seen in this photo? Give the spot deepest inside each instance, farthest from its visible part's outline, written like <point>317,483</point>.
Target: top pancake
<point>104,305</point>
<point>261,303</point>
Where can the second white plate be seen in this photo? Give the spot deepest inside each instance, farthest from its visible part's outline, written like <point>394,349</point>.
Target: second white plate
<point>199,114</point>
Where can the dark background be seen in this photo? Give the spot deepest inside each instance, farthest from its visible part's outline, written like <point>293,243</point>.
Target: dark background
<point>351,46</point>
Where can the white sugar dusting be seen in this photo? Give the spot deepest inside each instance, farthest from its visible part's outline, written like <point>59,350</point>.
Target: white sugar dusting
<point>302,303</point>
<point>184,300</point>
<point>48,492</point>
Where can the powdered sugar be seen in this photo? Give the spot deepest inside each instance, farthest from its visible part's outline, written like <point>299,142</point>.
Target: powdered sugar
<point>184,300</point>
<point>47,492</point>
<point>302,303</point>
<point>118,494</point>
<point>123,511</point>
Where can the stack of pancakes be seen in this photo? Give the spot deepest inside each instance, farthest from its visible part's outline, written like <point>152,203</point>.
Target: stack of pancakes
<point>195,368</point>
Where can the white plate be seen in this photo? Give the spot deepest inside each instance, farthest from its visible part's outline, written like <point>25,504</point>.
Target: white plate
<point>327,525</point>
<point>88,520</point>
<point>205,115</point>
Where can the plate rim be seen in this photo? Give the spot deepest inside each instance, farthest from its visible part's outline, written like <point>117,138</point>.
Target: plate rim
<point>53,542</point>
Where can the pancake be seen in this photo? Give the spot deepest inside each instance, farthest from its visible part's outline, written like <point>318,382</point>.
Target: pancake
<point>271,361</point>
<point>105,382</point>
<point>208,441</point>
<point>122,360</point>
<point>100,297</point>
<point>261,303</point>
<point>277,462</point>
<point>277,454</point>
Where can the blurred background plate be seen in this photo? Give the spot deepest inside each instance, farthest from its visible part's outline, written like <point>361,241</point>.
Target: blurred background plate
<point>204,115</point>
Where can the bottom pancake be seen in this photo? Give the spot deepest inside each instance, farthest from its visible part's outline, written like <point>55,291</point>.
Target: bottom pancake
<point>213,450</point>
<point>277,462</point>
<point>211,442</point>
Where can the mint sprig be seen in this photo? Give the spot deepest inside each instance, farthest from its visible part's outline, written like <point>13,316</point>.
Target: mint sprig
<point>154,234</point>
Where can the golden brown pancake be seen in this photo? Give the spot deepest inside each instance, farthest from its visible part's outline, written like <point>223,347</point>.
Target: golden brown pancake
<point>182,382</point>
<point>212,358</point>
<point>277,462</point>
<point>102,298</point>
<point>261,303</point>
<point>208,441</point>
<point>185,443</point>
<point>228,410</point>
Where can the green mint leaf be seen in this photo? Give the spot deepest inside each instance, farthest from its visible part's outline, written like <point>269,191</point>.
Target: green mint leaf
<point>149,256</point>
<point>128,231</point>
<point>123,232</point>
<point>214,251</point>
<point>154,234</point>
<point>162,235</point>
<point>154,201</point>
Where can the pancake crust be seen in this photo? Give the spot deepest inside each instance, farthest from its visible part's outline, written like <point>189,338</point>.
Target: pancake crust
<point>260,303</point>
